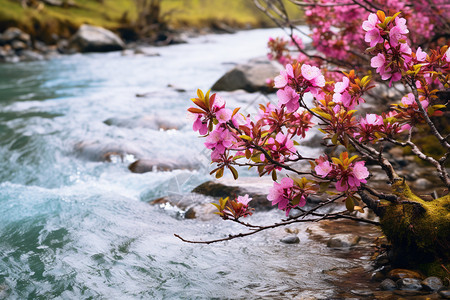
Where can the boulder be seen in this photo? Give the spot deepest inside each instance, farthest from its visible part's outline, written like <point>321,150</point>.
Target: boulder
<point>251,77</point>
<point>13,34</point>
<point>108,152</point>
<point>95,39</point>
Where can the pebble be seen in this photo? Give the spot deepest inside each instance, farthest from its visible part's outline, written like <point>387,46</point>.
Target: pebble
<point>292,239</point>
<point>412,284</point>
<point>388,285</point>
<point>432,284</point>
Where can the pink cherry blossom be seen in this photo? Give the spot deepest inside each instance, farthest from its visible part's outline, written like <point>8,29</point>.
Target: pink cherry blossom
<point>310,72</point>
<point>199,126</point>
<point>280,192</point>
<point>289,97</point>
<point>420,55</point>
<point>371,23</point>
<point>323,168</point>
<point>223,115</point>
<point>244,199</point>
<point>339,87</point>
<point>373,37</point>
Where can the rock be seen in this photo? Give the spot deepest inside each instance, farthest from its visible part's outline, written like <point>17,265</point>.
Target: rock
<point>18,45</point>
<point>412,284</point>
<point>256,187</point>
<point>388,285</point>
<point>397,274</point>
<point>422,184</point>
<point>362,293</point>
<point>28,55</point>
<point>445,294</point>
<point>343,241</point>
<point>149,165</point>
<point>381,260</point>
<point>145,52</point>
<point>251,77</point>
<point>410,293</point>
<point>108,152</point>
<point>11,34</point>
<point>152,122</point>
<point>292,239</point>
<point>432,284</point>
<point>95,39</point>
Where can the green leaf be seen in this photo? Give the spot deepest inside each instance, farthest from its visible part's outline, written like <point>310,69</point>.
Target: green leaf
<point>274,175</point>
<point>219,173</point>
<point>349,204</point>
<point>246,137</point>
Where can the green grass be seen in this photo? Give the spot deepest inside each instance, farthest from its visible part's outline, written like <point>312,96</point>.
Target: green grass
<point>110,14</point>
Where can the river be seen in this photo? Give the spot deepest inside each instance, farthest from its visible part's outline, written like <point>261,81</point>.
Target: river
<point>75,227</point>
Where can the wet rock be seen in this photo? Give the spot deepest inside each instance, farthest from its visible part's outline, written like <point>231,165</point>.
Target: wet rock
<point>381,260</point>
<point>378,276</point>
<point>108,152</point>
<point>397,274</point>
<point>256,187</point>
<point>432,284</point>
<point>388,285</point>
<point>362,293</point>
<point>445,294</point>
<point>28,55</point>
<point>409,284</point>
<point>343,241</point>
<point>95,39</point>
<point>410,293</point>
<point>422,184</point>
<point>145,52</point>
<point>152,122</point>
<point>250,77</point>
<point>150,165</point>
<point>292,239</point>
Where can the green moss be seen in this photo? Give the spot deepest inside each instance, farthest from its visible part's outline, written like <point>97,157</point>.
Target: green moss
<point>418,230</point>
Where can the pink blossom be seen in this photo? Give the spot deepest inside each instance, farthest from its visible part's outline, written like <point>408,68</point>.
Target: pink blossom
<point>378,61</point>
<point>244,199</point>
<point>395,35</point>
<point>220,139</point>
<point>339,87</point>
<point>281,80</point>
<point>373,37</point>
<point>420,55</point>
<point>360,171</point>
<point>323,168</point>
<point>310,72</point>
<point>199,126</point>
<point>371,23</point>
<point>371,119</point>
<point>400,23</point>
<point>289,97</point>
<point>223,115</point>
<point>279,193</point>
<point>447,55</point>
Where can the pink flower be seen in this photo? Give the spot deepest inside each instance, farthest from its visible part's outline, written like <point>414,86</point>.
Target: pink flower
<point>244,199</point>
<point>323,168</point>
<point>223,115</point>
<point>400,23</point>
<point>310,72</point>
<point>373,37</point>
<point>289,97</point>
<point>200,126</point>
<point>447,55</point>
<point>220,139</point>
<point>371,119</point>
<point>281,80</point>
<point>279,193</point>
<point>360,172</point>
<point>420,55</point>
<point>371,23</point>
<point>339,87</point>
<point>378,61</point>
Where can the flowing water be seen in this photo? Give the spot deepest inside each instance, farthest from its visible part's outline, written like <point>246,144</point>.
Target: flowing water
<point>74,226</point>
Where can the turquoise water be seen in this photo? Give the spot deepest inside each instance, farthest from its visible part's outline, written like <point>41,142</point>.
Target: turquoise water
<point>74,226</point>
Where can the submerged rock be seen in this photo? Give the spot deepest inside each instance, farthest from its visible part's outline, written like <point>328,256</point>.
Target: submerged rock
<point>292,239</point>
<point>149,165</point>
<point>250,77</point>
<point>411,284</point>
<point>152,122</point>
<point>388,285</point>
<point>95,39</point>
<point>343,241</point>
<point>108,152</point>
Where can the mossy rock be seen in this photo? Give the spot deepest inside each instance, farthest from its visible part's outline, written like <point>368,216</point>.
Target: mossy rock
<point>419,231</point>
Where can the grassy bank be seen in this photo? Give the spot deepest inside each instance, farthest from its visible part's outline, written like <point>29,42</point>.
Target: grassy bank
<point>43,21</point>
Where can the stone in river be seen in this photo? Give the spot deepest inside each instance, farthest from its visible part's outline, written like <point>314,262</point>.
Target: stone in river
<point>432,284</point>
<point>95,39</point>
<point>409,284</point>
<point>250,77</point>
<point>343,241</point>
<point>291,239</point>
<point>397,274</point>
<point>388,285</point>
